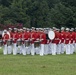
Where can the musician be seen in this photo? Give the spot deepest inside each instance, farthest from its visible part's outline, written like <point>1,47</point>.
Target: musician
<point>72,41</point>
<point>15,38</point>
<point>43,41</point>
<point>67,41</point>
<point>58,41</point>
<point>62,37</point>
<point>5,38</point>
<point>50,44</point>
<point>26,37</point>
<point>37,41</point>
<point>23,40</point>
<point>53,45</point>
<point>10,41</point>
<point>46,49</point>
<point>33,33</point>
<point>19,40</point>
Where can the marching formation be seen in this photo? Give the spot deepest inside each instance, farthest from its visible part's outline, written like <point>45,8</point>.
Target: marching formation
<point>36,41</point>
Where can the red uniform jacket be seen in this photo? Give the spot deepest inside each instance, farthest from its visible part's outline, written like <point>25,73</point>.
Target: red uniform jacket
<point>67,37</point>
<point>72,37</point>
<point>32,35</point>
<point>20,35</point>
<point>43,37</point>
<point>57,38</point>
<point>15,37</point>
<point>5,38</point>
<point>11,35</point>
<point>26,35</point>
<point>37,36</point>
<point>62,36</point>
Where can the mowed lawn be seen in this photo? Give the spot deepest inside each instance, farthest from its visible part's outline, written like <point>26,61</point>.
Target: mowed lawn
<point>37,65</point>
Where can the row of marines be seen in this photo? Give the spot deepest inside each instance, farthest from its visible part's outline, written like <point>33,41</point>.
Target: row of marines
<point>35,41</point>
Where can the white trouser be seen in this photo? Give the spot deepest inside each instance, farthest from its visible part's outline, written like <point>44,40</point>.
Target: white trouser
<point>58,48</point>
<point>28,50</point>
<point>62,48</point>
<point>14,49</point>
<point>42,50</point>
<point>5,49</point>
<point>19,49</point>
<point>37,50</point>
<point>46,49</point>
<point>53,46</point>
<point>71,48</point>
<point>67,48</point>
<point>24,50</point>
<point>9,48</point>
<point>49,48</point>
<point>32,49</point>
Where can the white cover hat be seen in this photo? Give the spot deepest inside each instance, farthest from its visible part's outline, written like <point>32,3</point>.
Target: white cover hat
<point>67,29</point>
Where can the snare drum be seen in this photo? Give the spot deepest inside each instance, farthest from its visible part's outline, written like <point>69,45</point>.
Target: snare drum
<point>19,42</point>
<point>9,42</point>
<point>27,43</point>
<point>36,44</point>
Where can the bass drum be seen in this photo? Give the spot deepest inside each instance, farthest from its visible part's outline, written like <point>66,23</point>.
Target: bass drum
<point>51,35</point>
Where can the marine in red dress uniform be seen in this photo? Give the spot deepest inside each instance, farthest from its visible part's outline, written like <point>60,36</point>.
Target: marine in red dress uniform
<point>72,40</point>
<point>62,37</point>
<point>43,41</point>
<point>10,40</point>
<point>37,41</point>
<point>53,44</point>
<point>20,47</point>
<point>5,38</point>
<point>32,34</point>
<point>15,38</point>
<point>67,41</point>
<point>58,42</point>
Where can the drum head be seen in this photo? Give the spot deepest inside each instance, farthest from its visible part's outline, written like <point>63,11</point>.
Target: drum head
<point>51,35</point>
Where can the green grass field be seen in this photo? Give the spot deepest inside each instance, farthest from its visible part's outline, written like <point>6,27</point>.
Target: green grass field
<point>37,65</point>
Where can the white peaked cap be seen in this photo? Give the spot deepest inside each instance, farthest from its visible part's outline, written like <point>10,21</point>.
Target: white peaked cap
<point>15,28</point>
<point>62,28</point>
<point>24,27</point>
<point>10,28</point>
<point>67,29</point>
<point>5,30</point>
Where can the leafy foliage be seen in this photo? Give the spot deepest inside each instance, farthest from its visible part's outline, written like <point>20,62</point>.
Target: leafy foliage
<point>38,13</point>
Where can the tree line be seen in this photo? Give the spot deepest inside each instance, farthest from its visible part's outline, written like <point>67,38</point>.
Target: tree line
<point>38,13</point>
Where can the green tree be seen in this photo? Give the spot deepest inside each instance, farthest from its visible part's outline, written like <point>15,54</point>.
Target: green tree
<point>62,15</point>
<point>18,12</point>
